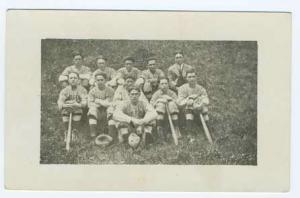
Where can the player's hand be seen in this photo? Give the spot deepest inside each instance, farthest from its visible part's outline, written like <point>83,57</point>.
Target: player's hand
<point>68,107</point>
<point>152,80</point>
<point>193,96</point>
<point>134,121</point>
<point>120,82</point>
<point>70,102</point>
<point>77,105</point>
<point>99,102</point>
<point>167,97</point>
<point>162,100</point>
<point>190,102</point>
<point>140,122</point>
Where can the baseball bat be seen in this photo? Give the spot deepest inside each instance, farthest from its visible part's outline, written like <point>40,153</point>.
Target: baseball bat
<point>206,131</point>
<point>174,135</point>
<point>69,134</point>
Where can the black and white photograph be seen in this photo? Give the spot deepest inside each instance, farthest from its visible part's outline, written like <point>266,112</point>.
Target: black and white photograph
<point>166,101</point>
<point>176,102</point>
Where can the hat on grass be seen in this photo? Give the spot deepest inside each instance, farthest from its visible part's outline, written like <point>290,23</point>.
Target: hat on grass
<point>103,140</point>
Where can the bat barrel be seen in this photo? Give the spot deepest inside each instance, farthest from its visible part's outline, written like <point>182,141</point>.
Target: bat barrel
<point>175,138</point>
<point>69,133</point>
<point>206,131</point>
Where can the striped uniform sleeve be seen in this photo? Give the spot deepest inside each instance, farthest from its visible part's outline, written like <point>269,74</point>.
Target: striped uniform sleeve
<point>151,113</point>
<point>173,95</point>
<point>204,95</point>
<point>112,73</point>
<point>110,94</point>
<point>182,96</point>
<point>154,98</point>
<point>61,99</point>
<point>64,75</point>
<point>91,98</point>
<point>119,114</point>
<point>84,97</point>
<point>86,73</point>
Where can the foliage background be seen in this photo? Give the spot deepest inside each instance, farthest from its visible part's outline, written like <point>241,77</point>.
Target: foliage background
<point>227,69</point>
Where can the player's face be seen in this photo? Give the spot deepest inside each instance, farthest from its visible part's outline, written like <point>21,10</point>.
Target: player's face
<point>191,78</point>
<point>129,82</point>
<point>100,80</point>
<point>152,65</point>
<point>73,79</point>
<point>101,63</point>
<point>134,96</point>
<point>128,64</point>
<point>77,60</point>
<point>164,85</point>
<point>179,59</point>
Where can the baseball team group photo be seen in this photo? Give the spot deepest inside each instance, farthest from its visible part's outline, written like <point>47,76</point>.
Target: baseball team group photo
<point>148,102</point>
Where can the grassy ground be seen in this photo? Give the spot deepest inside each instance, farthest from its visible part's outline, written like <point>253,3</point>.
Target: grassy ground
<point>228,70</point>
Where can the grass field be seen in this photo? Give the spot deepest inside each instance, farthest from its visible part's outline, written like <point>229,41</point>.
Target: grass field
<point>227,69</point>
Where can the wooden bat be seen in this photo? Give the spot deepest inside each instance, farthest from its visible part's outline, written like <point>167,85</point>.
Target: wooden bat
<point>174,135</point>
<point>206,131</point>
<point>69,133</point>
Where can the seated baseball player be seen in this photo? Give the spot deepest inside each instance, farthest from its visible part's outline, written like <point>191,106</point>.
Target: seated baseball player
<point>122,94</point>
<point>135,117</point>
<point>193,99</point>
<point>99,101</point>
<point>102,67</point>
<point>83,71</point>
<point>177,72</point>
<point>72,99</point>
<point>148,80</point>
<point>127,70</point>
<point>165,101</point>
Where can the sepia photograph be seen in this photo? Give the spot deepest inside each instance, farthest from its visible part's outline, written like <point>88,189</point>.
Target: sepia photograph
<point>173,101</point>
<point>148,102</point>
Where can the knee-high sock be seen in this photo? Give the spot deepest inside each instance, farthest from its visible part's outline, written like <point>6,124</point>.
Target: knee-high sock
<point>160,123</point>
<point>76,125</point>
<point>112,131</point>
<point>175,123</point>
<point>66,126</point>
<point>93,130</point>
<point>160,132</point>
<point>190,126</point>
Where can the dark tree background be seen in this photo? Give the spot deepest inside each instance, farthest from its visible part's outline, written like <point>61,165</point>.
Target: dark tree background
<point>227,69</point>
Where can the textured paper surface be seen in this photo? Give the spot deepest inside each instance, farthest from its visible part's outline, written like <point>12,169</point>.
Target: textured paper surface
<point>25,29</point>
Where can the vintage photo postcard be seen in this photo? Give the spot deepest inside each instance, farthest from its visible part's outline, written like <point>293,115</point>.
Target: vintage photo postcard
<point>147,101</point>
